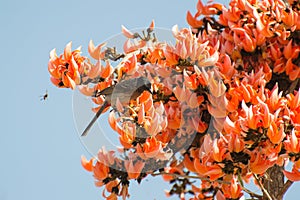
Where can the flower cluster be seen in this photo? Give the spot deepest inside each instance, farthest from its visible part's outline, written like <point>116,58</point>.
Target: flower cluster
<point>65,70</point>
<point>224,106</point>
<point>256,34</point>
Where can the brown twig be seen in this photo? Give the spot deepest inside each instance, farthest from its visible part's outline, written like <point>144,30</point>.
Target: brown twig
<point>262,187</point>
<point>188,176</point>
<point>252,194</point>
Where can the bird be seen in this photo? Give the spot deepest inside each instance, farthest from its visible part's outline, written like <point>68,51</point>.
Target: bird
<point>125,91</point>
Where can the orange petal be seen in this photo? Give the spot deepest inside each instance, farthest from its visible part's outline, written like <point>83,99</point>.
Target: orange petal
<point>87,165</point>
<point>192,21</point>
<point>141,114</point>
<point>95,52</point>
<point>188,163</point>
<point>151,27</point>
<point>107,71</point>
<point>67,51</point>
<point>127,33</point>
<point>95,70</point>
<point>86,90</point>
<point>287,51</point>
<point>294,175</point>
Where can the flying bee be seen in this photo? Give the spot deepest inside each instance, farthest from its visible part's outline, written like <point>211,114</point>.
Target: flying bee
<point>44,97</point>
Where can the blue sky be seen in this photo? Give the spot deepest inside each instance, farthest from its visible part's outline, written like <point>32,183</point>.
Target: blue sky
<point>40,147</point>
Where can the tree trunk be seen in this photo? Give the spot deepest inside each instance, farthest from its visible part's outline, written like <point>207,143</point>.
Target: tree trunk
<point>274,184</point>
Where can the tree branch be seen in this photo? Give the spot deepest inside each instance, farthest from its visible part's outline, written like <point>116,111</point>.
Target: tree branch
<point>252,194</point>
<point>286,186</point>
<point>188,176</point>
<point>262,187</point>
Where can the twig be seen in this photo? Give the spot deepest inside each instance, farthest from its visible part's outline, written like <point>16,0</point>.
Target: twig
<point>262,187</point>
<point>252,194</point>
<point>188,176</point>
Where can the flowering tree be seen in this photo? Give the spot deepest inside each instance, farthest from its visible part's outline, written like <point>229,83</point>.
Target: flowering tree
<point>223,105</point>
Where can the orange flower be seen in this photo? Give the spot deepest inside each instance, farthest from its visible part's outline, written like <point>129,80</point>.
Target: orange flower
<point>151,26</point>
<point>190,81</point>
<point>95,52</point>
<point>292,70</point>
<point>65,70</point>
<point>275,101</point>
<point>235,143</point>
<point>107,158</point>
<point>292,144</point>
<point>124,192</point>
<point>230,127</point>
<point>128,134</point>
<point>134,170</point>
<point>191,48</point>
<point>226,67</point>
<point>87,165</point>
<point>106,71</point>
<point>232,14</point>
<point>171,57</point>
<point>188,163</point>
<point>251,119</point>
<point>192,20</point>
<point>129,67</point>
<point>232,191</point>
<point>259,163</point>
<point>152,148</point>
<point>220,196</point>
<point>214,172</point>
<point>174,117</point>
<point>289,17</point>
<point>204,168</point>
<point>156,123</point>
<point>180,93</point>
<point>195,101</point>
<point>216,86</point>
<point>130,47</point>
<point>276,134</point>
<point>100,171</point>
<point>171,170</point>
<point>218,110</point>
<point>155,55</point>
<point>109,187</point>
<point>209,9</point>
<point>266,117</point>
<point>232,100</point>
<point>112,196</point>
<point>112,184</point>
<point>127,33</point>
<point>294,175</point>
<point>219,150</point>
<point>243,39</point>
<point>294,100</point>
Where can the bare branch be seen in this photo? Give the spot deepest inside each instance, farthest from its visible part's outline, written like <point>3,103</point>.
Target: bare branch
<point>262,187</point>
<point>252,194</point>
<point>188,176</point>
